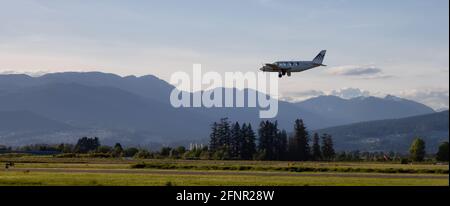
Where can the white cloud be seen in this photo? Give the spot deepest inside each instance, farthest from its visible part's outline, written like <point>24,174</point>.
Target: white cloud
<point>365,72</point>
<point>346,93</point>
<point>349,93</point>
<point>29,73</point>
<point>300,95</point>
<point>438,99</point>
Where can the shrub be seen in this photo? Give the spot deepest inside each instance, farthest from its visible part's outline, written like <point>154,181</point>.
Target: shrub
<point>143,154</point>
<point>99,155</point>
<point>417,150</point>
<point>66,155</point>
<point>130,152</point>
<point>404,161</point>
<point>104,149</point>
<point>443,153</point>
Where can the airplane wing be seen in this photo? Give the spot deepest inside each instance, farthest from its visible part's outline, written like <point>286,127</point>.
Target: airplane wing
<point>272,65</point>
<point>275,68</point>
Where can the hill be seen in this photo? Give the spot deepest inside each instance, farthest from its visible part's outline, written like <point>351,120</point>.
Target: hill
<point>25,121</point>
<point>392,134</point>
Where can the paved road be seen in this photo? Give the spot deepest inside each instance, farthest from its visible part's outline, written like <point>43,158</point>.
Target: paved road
<point>248,173</point>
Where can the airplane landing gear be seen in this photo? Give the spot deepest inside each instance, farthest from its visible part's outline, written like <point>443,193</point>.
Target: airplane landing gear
<point>283,73</point>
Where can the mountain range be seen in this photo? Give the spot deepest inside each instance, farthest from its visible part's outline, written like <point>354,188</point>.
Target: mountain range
<point>361,109</point>
<point>136,110</point>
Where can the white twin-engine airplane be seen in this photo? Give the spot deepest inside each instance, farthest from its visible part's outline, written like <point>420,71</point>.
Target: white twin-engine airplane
<point>287,67</point>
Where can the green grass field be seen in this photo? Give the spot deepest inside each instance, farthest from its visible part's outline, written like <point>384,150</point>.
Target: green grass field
<point>87,179</point>
<point>41,170</point>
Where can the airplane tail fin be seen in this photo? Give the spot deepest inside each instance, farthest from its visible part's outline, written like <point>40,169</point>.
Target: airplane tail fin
<point>319,58</point>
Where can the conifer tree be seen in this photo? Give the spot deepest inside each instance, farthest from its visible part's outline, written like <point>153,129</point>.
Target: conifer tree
<point>214,137</point>
<point>280,145</point>
<point>328,152</point>
<point>249,145</point>
<point>236,141</point>
<point>316,152</point>
<point>268,132</point>
<point>224,133</point>
<point>299,143</point>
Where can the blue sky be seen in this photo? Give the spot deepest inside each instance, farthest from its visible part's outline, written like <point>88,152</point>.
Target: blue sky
<point>374,47</point>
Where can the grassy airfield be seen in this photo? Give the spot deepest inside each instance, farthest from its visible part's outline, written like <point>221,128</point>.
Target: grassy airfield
<point>45,170</point>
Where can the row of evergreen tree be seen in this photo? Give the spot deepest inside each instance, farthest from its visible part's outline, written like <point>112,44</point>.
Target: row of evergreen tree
<point>232,141</point>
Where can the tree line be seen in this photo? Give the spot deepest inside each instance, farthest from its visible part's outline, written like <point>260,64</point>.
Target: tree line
<point>233,141</point>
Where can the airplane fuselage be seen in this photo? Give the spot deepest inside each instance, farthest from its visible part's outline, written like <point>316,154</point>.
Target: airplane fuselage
<point>287,67</point>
